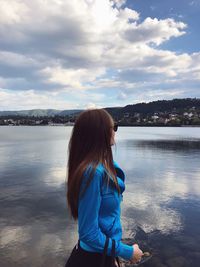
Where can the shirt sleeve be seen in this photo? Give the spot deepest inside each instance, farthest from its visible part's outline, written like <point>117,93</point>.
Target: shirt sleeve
<point>88,226</point>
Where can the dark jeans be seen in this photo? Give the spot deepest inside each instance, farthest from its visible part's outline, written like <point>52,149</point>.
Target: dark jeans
<point>82,258</point>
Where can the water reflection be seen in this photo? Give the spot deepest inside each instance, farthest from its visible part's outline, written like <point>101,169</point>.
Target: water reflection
<point>160,209</point>
<point>17,233</point>
<point>147,206</point>
<point>173,145</point>
<point>162,186</point>
<point>153,181</point>
<point>56,177</point>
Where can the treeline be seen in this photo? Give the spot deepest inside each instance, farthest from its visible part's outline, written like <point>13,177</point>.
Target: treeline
<point>176,112</point>
<point>164,106</point>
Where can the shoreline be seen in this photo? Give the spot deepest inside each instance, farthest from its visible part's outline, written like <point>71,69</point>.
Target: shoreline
<point>164,126</point>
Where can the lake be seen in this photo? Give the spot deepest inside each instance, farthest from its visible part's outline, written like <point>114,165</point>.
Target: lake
<point>160,208</point>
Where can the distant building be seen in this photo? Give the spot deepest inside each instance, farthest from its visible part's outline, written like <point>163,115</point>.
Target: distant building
<point>190,115</point>
<point>136,115</point>
<point>155,117</point>
<point>38,122</point>
<point>161,120</point>
<point>186,114</point>
<point>126,115</point>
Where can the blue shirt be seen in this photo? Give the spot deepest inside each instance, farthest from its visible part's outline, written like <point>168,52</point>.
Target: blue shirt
<point>99,214</point>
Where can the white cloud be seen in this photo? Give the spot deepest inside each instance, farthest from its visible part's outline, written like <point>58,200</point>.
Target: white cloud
<point>63,45</point>
<point>74,78</point>
<point>17,60</point>
<point>155,31</point>
<point>92,106</point>
<point>13,11</point>
<point>118,3</point>
<point>128,14</point>
<point>32,100</point>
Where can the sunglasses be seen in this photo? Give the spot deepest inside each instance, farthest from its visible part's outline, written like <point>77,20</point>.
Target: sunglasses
<point>115,127</point>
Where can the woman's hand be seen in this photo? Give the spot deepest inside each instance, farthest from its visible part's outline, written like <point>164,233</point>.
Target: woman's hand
<point>137,254</point>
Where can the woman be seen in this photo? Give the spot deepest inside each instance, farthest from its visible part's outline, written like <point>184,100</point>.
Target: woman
<point>94,192</point>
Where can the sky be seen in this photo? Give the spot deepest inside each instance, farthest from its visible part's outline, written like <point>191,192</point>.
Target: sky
<point>80,54</point>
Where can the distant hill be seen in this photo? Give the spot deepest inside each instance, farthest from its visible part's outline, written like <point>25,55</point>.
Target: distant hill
<point>175,105</point>
<point>164,105</point>
<point>178,105</point>
<point>39,112</point>
<point>69,112</point>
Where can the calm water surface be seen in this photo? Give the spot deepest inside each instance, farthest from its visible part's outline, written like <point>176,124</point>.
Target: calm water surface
<point>160,208</point>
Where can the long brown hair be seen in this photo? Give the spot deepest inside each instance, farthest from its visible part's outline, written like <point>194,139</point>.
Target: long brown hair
<point>89,144</point>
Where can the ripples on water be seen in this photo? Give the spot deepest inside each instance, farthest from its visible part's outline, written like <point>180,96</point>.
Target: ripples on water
<point>160,209</point>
